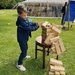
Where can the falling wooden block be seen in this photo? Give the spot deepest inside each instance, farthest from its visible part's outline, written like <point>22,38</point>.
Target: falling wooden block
<point>54,39</point>
<point>56,68</point>
<point>53,53</point>
<point>53,49</point>
<point>62,73</point>
<point>47,41</point>
<point>51,73</point>
<point>61,45</point>
<point>58,48</point>
<point>57,73</point>
<point>55,62</point>
<point>56,29</point>
<point>48,30</point>
<point>59,27</point>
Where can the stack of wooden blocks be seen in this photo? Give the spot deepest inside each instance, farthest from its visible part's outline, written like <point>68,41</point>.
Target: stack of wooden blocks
<point>57,46</point>
<point>56,67</point>
<point>46,30</point>
<point>50,36</point>
<point>49,31</point>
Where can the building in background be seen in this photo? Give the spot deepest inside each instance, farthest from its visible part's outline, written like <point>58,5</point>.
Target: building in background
<point>44,8</point>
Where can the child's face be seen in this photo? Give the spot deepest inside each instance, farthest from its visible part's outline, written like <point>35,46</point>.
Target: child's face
<point>23,15</point>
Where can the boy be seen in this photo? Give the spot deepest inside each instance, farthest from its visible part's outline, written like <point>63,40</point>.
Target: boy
<point>24,28</point>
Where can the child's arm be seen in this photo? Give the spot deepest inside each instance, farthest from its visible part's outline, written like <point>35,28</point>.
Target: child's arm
<point>28,27</point>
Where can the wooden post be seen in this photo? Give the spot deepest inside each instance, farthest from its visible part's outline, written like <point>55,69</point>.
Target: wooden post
<point>43,57</point>
<point>35,50</point>
<point>68,14</point>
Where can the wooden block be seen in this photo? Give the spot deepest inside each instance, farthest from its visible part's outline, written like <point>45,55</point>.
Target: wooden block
<point>46,30</point>
<point>45,23</point>
<point>51,73</point>
<point>49,30</point>
<point>58,48</point>
<point>56,29</point>
<point>53,49</point>
<point>53,53</point>
<point>54,39</point>
<point>55,62</point>
<point>47,41</point>
<point>52,68</point>
<point>57,68</point>
<point>57,73</point>
<point>59,27</point>
<point>61,45</point>
<point>62,73</point>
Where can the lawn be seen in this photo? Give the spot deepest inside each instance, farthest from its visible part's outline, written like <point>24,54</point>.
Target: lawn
<point>10,51</point>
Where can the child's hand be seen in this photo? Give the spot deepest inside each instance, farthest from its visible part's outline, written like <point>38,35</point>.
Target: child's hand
<point>39,23</point>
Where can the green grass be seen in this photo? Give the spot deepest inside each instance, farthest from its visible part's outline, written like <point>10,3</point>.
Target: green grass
<point>10,51</point>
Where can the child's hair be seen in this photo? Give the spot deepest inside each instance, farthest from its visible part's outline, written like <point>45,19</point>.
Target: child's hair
<point>21,9</point>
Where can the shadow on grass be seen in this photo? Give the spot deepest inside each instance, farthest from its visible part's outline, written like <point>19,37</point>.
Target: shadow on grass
<point>33,66</point>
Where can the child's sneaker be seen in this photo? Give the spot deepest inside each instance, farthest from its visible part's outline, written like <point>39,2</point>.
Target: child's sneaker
<point>27,57</point>
<point>21,67</point>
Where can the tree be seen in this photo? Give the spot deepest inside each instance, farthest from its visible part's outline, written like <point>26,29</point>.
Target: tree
<point>8,3</point>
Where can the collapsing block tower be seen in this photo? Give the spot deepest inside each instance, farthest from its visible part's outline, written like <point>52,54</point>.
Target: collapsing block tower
<point>50,36</point>
<point>46,31</point>
<point>49,31</point>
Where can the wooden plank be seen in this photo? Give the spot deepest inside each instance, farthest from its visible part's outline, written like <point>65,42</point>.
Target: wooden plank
<point>55,62</point>
<point>57,48</point>
<point>56,29</point>
<point>58,26</point>
<point>53,49</point>
<point>50,36</point>
<point>61,45</point>
<point>56,68</point>
<point>51,73</point>
<point>62,72</point>
<point>54,39</point>
<point>57,73</point>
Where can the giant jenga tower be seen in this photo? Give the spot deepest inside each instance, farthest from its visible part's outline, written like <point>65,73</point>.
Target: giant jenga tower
<point>50,36</point>
<point>49,31</point>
